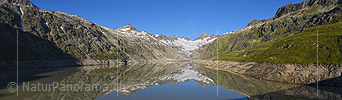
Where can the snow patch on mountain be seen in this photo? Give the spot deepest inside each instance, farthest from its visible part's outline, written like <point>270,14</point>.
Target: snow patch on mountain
<point>21,19</point>
<point>22,12</point>
<point>188,46</point>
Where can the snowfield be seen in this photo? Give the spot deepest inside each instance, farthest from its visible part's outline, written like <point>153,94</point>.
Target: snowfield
<point>187,46</point>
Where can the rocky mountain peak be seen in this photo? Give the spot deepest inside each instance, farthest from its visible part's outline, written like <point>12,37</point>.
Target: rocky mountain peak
<point>204,35</point>
<point>186,38</point>
<point>298,6</point>
<point>175,36</point>
<point>127,27</point>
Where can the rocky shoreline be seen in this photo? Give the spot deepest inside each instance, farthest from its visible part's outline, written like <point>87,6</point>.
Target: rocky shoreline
<point>39,64</point>
<point>329,75</point>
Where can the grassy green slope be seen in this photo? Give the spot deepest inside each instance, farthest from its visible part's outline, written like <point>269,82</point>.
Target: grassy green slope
<point>289,38</point>
<point>298,47</point>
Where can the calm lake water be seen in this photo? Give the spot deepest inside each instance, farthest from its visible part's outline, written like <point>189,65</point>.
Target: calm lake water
<point>153,81</point>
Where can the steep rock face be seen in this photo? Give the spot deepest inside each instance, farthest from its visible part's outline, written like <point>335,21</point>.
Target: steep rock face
<point>289,8</point>
<point>50,35</point>
<point>33,51</point>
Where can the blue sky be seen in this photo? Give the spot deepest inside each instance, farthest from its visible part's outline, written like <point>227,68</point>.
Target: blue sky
<point>188,18</point>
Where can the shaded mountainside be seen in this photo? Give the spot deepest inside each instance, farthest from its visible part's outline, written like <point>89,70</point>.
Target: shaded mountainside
<point>289,37</point>
<point>49,35</point>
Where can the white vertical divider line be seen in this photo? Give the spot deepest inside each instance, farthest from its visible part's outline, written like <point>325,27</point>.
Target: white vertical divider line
<point>17,62</point>
<point>217,65</point>
<point>317,62</point>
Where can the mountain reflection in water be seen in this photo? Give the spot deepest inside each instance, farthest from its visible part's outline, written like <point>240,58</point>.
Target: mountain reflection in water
<point>179,80</point>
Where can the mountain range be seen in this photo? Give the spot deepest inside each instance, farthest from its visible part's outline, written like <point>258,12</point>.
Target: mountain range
<point>55,38</point>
